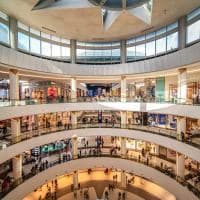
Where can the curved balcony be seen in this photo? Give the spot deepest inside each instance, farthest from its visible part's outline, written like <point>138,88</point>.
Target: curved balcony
<point>97,183</point>
<point>177,186</point>
<point>156,136</point>
<point>12,58</point>
<point>160,108</point>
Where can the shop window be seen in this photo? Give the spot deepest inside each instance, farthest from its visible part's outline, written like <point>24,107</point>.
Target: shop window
<point>23,41</point>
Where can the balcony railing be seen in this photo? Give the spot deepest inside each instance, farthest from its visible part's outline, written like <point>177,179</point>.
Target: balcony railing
<point>6,103</point>
<point>171,174</point>
<point>39,132</point>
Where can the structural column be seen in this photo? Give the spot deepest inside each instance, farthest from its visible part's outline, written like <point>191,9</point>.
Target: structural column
<point>123,51</point>
<point>123,147</point>
<point>17,168</point>
<point>13,32</point>
<point>73,89</point>
<point>14,84</point>
<point>74,119</point>
<point>75,179</point>
<point>75,147</point>
<point>182,85</point>
<point>123,119</point>
<point>73,51</point>
<point>181,128</point>
<point>156,149</point>
<point>180,165</point>
<point>182,32</point>
<point>123,179</point>
<point>123,89</point>
<point>15,130</point>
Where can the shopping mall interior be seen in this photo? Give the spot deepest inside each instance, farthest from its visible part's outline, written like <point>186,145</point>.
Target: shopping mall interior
<point>99,99</point>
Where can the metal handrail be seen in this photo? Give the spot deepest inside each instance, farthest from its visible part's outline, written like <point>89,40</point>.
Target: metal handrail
<point>132,158</point>
<point>154,130</point>
<point>17,102</point>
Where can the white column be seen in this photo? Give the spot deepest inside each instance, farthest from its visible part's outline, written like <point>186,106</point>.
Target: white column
<point>75,179</point>
<point>123,89</point>
<point>17,168</point>
<point>15,130</point>
<point>74,119</point>
<point>123,51</point>
<point>123,147</point>
<point>123,119</point>
<point>75,147</point>
<point>73,89</point>
<point>14,84</point>
<point>182,85</point>
<point>13,32</point>
<point>123,179</point>
<point>156,149</point>
<point>180,165</point>
<point>181,127</point>
<point>73,51</point>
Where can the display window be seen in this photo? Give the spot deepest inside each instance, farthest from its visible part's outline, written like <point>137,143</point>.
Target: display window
<point>193,126</point>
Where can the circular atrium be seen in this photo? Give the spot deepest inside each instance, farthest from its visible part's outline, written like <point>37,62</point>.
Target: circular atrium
<point>99,100</point>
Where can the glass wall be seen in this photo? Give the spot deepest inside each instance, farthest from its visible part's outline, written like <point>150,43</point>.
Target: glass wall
<point>152,44</point>
<point>193,27</point>
<point>108,52</point>
<point>39,43</point>
<point>149,45</point>
<point>4,29</point>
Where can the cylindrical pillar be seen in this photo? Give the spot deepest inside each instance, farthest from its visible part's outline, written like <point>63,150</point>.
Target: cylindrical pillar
<point>181,128</point>
<point>180,165</point>
<point>182,85</point>
<point>17,168</point>
<point>74,119</point>
<point>123,179</point>
<point>123,119</point>
<point>123,89</point>
<point>75,180</point>
<point>73,51</point>
<point>15,130</point>
<point>156,149</point>
<point>73,89</point>
<point>13,32</point>
<point>14,84</point>
<point>123,51</point>
<point>123,147</point>
<point>75,147</point>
